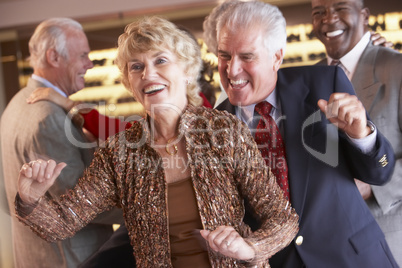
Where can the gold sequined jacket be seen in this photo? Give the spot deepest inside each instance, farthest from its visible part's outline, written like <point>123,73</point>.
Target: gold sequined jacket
<point>226,167</point>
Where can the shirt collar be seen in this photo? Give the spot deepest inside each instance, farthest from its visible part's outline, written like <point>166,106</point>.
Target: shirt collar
<point>246,113</point>
<point>350,59</point>
<point>46,83</point>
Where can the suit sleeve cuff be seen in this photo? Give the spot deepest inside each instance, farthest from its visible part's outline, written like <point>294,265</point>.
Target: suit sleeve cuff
<point>366,144</point>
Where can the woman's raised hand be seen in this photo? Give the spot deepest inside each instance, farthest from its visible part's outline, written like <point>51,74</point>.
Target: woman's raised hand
<point>36,178</point>
<point>227,241</point>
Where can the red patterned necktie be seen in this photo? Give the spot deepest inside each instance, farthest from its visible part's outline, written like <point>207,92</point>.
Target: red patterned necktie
<point>271,146</point>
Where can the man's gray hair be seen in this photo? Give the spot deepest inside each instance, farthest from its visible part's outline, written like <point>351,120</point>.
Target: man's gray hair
<point>256,14</point>
<point>48,34</point>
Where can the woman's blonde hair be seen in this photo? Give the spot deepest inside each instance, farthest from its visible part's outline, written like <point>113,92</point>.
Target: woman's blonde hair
<point>155,33</point>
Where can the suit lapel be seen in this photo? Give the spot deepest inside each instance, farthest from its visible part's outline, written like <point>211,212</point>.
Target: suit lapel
<point>292,95</point>
<point>226,106</point>
<point>367,88</point>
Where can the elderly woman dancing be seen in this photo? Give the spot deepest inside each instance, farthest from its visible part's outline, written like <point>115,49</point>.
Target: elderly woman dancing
<point>181,174</point>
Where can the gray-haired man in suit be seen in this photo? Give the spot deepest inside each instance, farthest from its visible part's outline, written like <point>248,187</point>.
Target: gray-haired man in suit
<point>375,72</point>
<point>59,56</point>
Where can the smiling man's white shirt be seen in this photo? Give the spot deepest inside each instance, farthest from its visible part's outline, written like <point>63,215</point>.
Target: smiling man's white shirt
<point>350,60</point>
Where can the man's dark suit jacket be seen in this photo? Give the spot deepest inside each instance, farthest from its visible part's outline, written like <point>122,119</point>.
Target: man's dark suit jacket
<point>336,227</point>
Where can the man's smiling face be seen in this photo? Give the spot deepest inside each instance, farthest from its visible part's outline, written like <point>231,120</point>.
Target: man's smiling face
<point>339,24</point>
<point>248,71</point>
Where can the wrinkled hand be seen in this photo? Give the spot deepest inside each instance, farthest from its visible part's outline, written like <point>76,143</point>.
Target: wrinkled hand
<point>41,93</point>
<point>347,113</point>
<point>379,40</point>
<point>47,93</point>
<point>227,241</point>
<point>35,179</point>
<point>364,189</point>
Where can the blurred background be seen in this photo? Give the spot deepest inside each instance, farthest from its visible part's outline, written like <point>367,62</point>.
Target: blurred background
<point>104,21</point>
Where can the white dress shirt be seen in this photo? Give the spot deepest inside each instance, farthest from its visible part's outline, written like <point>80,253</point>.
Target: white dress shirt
<point>350,60</point>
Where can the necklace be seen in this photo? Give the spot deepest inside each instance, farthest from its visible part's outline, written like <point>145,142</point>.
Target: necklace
<point>175,149</point>
<point>169,144</point>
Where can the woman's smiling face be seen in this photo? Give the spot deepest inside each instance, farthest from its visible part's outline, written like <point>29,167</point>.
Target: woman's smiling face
<point>157,78</point>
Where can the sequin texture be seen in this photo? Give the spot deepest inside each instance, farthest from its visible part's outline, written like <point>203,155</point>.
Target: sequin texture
<point>127,172</point>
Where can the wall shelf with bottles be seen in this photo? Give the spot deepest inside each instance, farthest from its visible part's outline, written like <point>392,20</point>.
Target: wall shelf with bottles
<point>303,48</point>
<point>103,87</point>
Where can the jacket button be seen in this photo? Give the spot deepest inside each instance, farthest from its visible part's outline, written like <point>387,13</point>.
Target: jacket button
<point>299,240</point>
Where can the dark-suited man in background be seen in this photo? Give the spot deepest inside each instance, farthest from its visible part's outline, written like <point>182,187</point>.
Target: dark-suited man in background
<point>59,56</point>
<point>336,227</point>
<point>375,72</point>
